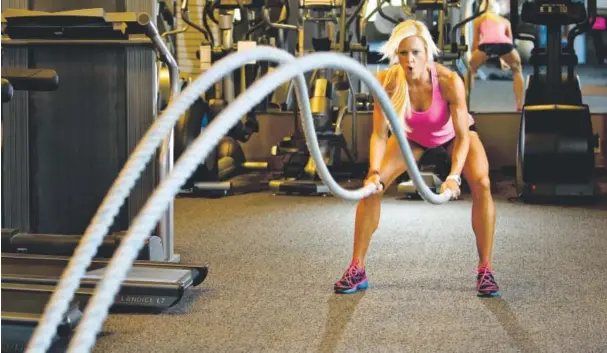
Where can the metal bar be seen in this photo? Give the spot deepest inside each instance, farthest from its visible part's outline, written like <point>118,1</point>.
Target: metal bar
<point>553,52</point>
<point>441,29</point>
<point>103,42</point>
<point>354,130</point>
<point>166,150</point>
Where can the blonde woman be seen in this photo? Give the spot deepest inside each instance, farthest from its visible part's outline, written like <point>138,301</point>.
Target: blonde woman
<point>431,99</point>
<point>493,38</point>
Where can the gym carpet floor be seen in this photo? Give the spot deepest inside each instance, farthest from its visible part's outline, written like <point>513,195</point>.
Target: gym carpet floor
<point>273,261</point>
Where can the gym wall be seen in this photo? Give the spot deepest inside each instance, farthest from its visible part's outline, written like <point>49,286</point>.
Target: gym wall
<point>498,131</point>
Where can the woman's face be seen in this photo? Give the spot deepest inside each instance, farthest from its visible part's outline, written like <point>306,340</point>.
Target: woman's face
<point>412,57</point>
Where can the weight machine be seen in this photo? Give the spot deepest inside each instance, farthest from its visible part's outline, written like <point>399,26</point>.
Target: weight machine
<point>227,171</point>
<point>299,172</point>
<point>555,152</point>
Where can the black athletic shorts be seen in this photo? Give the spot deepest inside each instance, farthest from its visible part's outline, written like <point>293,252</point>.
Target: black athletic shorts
<point>444,145</point>
<point>496,50</point>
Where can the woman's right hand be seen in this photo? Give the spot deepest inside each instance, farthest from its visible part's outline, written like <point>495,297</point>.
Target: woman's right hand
<point>375,179</point>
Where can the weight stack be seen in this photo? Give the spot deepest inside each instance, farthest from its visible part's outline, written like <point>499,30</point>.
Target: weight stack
<point>62,150</point>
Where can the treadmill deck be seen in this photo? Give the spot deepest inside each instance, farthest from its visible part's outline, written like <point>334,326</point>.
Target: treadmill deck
<point>147,274</point>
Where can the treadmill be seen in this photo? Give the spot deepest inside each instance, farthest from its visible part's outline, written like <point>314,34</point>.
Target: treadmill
<point>18,325</point>
<point>22,304</point>
<point>28,280</point>
<point>150,285</point>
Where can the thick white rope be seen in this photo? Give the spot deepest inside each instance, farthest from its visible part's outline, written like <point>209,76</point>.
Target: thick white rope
<point>97,310</point>
<point>93,236</point>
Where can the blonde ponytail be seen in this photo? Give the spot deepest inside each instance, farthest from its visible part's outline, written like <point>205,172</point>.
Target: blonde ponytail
<point>395,84</point>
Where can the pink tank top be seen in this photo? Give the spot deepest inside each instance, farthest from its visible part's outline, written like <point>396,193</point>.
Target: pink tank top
<point>493,32</point>
<point>433,127</point>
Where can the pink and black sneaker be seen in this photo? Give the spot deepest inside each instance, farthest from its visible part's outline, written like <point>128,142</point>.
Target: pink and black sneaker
<point>485,283</point>
<point>353,280</point>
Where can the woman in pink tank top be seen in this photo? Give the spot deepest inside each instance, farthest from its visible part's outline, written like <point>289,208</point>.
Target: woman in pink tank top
<point>493,39</point>
<point>432,101</point>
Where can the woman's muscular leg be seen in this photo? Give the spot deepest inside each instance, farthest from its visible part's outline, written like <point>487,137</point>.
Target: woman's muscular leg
<point>477,59</point>
<point>367,218</point>
<point>518,85</point>
<point>476,173</point>
<point>368,210</point>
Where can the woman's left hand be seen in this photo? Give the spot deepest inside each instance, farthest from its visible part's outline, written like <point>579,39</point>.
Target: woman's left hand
<point>451,185</point>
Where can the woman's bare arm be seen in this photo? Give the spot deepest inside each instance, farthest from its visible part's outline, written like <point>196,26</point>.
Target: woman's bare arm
<point>452,88</point>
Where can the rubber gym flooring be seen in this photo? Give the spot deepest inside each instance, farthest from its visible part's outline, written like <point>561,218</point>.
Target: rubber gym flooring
<point>273,261</point>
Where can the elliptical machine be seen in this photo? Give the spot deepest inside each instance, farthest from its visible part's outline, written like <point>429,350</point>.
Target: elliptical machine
<point>555,154</point>
<point>226,171</point>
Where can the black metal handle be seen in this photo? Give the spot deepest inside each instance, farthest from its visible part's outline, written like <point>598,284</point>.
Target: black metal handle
<point>185,15</point>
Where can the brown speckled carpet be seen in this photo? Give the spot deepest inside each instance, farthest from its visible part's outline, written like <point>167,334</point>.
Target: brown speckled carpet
<point>273,261</point>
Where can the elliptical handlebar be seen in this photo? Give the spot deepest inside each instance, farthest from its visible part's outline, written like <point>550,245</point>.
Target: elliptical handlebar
<point>514,22</point>
<point>356,12</point>
<point>580,28</point>
<point>185,15</point>
<point>458,48</point>
<point>265,13</point>
<point>383,15</point>
<point>267,21</point>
